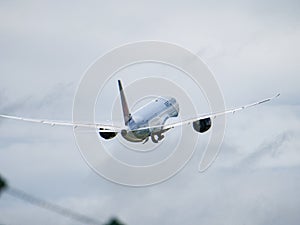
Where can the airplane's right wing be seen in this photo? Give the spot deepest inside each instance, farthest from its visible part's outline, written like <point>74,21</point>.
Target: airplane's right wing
<point>210,115</point>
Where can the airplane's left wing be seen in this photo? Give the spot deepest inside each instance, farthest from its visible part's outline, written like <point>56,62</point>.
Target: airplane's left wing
<point>107,128</point>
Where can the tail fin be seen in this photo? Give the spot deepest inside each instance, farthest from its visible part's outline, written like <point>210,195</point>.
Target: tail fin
<point>126,114</point>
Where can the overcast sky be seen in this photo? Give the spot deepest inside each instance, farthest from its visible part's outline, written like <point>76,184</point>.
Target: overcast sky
<point>252,48</point>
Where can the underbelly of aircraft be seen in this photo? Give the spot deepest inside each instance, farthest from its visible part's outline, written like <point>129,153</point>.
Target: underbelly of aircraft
<point>135,136</point>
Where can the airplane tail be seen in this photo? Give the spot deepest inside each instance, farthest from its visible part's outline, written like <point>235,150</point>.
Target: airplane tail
<point>126,113</point>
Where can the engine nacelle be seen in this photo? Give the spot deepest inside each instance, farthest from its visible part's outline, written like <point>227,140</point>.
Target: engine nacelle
<point>107,135</point>
<point>202,125</point>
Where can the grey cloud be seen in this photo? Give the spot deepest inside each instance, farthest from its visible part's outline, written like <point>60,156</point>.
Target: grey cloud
<point>252,47</point>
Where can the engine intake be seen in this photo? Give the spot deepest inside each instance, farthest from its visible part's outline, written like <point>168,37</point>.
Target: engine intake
<point>107,135</point>
<point>202,125</point>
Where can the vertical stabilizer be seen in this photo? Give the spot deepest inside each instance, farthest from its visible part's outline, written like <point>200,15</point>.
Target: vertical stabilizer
<point>126,114</point>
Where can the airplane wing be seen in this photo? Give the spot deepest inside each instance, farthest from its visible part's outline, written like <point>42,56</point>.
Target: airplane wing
<point>112,128</point>
<point>107,128</point>
<point>211,115</point>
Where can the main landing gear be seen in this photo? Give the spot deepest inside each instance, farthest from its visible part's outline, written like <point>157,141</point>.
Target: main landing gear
<point>156,137</point>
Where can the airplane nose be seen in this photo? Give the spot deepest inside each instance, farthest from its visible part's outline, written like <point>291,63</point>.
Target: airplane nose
<point>176,106</point>
<point>172,100</point>
<point>174,103</point>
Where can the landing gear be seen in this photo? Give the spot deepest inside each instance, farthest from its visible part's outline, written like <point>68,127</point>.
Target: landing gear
<point>147,139</point>
<point>156,137</point>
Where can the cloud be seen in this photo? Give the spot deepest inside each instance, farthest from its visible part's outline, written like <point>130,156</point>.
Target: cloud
<point>251,47</point>
<point>280,152</point>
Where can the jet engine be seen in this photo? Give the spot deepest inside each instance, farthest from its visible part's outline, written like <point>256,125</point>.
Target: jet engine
<point>107,135</point>
<point>202,125</point>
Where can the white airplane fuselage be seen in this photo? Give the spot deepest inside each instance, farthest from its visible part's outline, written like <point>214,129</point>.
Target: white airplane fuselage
<point>155,113</point>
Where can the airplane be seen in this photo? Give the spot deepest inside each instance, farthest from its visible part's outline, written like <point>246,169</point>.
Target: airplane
<point>149,121</point>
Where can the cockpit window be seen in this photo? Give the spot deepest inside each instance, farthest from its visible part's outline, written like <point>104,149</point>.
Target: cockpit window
<point>170,102</point>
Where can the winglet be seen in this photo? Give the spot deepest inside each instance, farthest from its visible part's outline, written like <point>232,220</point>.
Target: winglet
<point>126,114</point>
